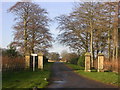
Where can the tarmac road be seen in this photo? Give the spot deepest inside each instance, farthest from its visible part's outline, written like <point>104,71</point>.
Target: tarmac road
<point>64,77</point>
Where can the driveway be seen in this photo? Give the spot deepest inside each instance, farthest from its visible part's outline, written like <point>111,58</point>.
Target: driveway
<point>64,77</point>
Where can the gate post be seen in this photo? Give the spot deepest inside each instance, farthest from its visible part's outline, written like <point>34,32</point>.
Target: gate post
<point>87,62</point>
<point>100,62</point>
<point>27,60</point>
<point>40,60</point>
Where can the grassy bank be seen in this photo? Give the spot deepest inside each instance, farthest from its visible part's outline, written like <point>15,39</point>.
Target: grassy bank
<point>105,77</point>
<point>26,79</point>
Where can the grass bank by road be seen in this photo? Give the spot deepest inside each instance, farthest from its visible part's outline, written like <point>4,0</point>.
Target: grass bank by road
<point>27,79</point>
<point>105,77</point>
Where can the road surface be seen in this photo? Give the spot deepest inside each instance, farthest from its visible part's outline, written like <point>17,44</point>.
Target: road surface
<point>64,77</point>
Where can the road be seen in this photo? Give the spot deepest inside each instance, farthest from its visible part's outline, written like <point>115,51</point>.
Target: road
<point>64,77</point>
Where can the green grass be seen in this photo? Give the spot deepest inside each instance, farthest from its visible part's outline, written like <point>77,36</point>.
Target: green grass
<point>0,80</point>
<point>75,67</point>
<point>27,78</point>
<point>105,77</point>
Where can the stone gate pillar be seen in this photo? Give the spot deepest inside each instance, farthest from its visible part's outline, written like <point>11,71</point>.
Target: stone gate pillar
<point>40,60</point>
<point>100,62</point>
<point>27,60</point>
<point>87,62</point>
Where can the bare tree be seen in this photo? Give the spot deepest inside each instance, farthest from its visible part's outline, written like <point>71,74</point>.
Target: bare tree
<point>81,26</point>
<point>90,27</point>
<point>31,27</point>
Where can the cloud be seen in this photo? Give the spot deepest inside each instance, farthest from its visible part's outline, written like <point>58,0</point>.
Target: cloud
<point>57,47</point>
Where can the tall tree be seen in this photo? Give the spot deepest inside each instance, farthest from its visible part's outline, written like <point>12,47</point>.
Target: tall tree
<point>81,27</point>
<point>31,29</point>
<point>113,11</point>
<point>92,26</point>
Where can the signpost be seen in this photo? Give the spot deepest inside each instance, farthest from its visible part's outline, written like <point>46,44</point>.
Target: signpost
<point>33,61</point>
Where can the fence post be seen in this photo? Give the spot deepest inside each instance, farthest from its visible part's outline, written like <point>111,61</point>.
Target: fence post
<point>87,62</point>
<point>40,60</point>
<point>27,60</point>
<point>100,62</point>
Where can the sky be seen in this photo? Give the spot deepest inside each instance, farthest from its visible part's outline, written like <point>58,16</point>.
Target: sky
<point>54,9</point>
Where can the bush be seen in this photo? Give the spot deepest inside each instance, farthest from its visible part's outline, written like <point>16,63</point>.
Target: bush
<point>74,60</point>
<point>17,63</point>
<point>81,61</point>
<point>45,60</point>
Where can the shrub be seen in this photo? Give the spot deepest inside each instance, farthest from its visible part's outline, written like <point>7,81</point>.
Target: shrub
<point>17,63</point>
<point>81,61</point>
<point>45,60</point>
<point>74,60</point>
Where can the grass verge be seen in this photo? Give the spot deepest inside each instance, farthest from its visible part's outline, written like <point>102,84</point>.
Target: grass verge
<point>27,78</point>
<point>104,77</point>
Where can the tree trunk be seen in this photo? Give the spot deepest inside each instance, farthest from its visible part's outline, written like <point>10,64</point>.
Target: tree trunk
<point>86,42</point>
<point>25,36</point>
<point>119,29</point>
<point>119,42</point>
<point>33,41</point>
<point>113,53</point>
<point>109,45</point>
<point>116,31</point>
<point>116,56</point>
<point>91,45</point>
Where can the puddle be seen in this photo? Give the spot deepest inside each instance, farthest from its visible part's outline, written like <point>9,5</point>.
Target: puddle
<point>59,82</point>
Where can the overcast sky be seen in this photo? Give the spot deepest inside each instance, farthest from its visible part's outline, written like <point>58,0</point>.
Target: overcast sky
<point>54,9</point>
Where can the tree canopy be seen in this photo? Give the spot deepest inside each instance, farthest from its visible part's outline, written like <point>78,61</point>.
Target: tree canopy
<point>31,31</point>
<point>91,27</point>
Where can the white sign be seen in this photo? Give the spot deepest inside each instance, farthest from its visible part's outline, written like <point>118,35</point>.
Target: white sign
<point>33,61</point>
<point>34,54</point>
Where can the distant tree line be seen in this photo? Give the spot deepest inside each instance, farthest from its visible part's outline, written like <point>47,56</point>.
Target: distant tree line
<point>73,58</point>
<point>54,56</point>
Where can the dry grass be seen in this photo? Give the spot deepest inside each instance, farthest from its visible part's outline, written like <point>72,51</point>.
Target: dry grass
<point>12,63</point>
